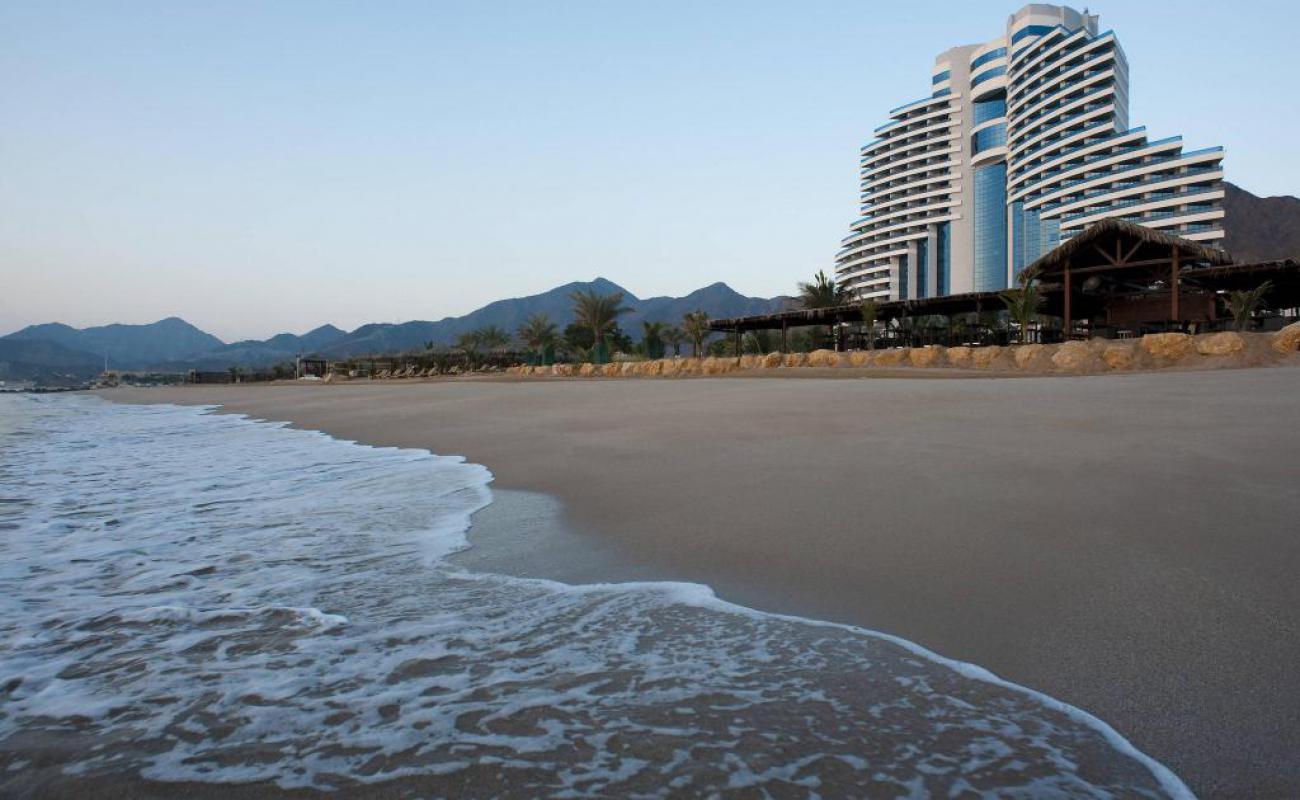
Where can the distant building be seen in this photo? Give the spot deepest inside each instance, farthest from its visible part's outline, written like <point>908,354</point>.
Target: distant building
<point>1023,141</point>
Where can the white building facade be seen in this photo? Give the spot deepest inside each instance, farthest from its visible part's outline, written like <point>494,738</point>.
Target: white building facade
<point>1023,141</point>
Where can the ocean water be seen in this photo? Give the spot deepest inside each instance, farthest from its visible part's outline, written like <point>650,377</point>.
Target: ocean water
<point>194,597</point>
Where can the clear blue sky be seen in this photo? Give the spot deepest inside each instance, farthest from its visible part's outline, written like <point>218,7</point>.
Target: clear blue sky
<point>270,166</point>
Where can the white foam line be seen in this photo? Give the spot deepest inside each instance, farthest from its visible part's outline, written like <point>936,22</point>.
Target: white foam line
<point>703,596</point>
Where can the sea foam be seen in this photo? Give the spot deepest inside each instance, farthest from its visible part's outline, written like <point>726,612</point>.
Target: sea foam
<point>189,596</point>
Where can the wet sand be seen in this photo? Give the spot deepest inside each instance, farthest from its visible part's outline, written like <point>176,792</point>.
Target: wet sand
<point>1127,544</point>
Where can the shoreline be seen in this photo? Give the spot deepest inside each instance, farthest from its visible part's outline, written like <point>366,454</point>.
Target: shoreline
<point>1145,651</point>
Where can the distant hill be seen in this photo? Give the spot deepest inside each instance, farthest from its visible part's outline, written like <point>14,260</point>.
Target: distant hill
<point>718,300</point>
<point>127,346</point>
<point>1260,228</point>
<point>175,345</point>
<point>44,361</point>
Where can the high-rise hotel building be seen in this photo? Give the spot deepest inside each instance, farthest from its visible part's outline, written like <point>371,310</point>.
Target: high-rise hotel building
<point>1023,142</point>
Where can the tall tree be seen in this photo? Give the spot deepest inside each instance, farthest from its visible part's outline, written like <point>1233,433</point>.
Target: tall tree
<point>696,327</point>
<point>598,313</point>
<point>1243,304</point>
<point>492,337</point>
<point>870,311</point>
<point>470,341</point>
<point>1023,303</point>
<point>652,340</point>
<point>674,338</point>
<point>539,333</point>
<point>823,292</point>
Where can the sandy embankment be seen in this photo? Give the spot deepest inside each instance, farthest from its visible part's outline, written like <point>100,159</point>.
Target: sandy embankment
<point>1127,544</point>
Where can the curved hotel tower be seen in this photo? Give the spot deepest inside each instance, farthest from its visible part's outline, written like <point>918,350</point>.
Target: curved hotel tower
<point>1023,142</point>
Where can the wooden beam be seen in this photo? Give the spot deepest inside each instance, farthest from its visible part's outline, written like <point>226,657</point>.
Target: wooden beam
<point>1131,252</point>
<point>1109,259</point>
<point>1069,290</point>
<point>1173,285</point>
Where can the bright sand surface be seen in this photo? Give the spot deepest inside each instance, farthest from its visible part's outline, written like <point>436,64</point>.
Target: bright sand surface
<point>1128,544</point>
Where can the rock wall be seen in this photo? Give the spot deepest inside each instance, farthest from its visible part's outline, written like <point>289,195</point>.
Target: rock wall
<point>1153,351</point>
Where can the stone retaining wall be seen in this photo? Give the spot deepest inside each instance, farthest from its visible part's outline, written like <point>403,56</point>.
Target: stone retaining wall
<point>1153,351</point>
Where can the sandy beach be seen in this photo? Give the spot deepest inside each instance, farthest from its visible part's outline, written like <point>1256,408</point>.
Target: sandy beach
<point>1127,544</point>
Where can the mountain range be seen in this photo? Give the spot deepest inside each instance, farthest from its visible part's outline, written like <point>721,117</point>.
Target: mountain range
<point>1260,228</point>
<point>173,344</point>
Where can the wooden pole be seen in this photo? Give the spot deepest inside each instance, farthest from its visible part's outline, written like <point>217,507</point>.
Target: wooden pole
<point>1069,291</point>
<point>1173,286</point>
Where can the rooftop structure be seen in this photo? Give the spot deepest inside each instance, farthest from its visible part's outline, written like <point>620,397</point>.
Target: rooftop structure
<point>1023,141</point>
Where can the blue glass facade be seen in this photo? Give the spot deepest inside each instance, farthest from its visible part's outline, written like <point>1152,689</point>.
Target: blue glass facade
<point>988,75</point>
<point>943,245</point>
<point>1031,30</point>
<point>994,136</point>
<point>941,77</point>
<point>1031,236</point>
<point>922,267</point>
<point>902,278</point>
<point>992,108</point>
<point>987,57</point>
<point>990,212</point>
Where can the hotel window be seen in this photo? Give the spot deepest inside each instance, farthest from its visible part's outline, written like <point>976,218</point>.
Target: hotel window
<point>992,108</point>
<point>988,75</point>
<point>994,136</point>
<point>987,57</point>
<point>1031,30</point>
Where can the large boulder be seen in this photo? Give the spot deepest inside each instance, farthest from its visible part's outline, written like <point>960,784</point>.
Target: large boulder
<point>823,358</point>
<point>896,357</point>
<point>748,362</point>
<point>587,370</point>
<point>666,366</point>
<point>718,366</point>
<point>1031,357</point>
<point>1167,347</point>
<point>796,359</point>
<point>772,360</point>
<point>860,358</point>
<point>1120,355</point>
<point>987,357</point>
<point>927,356</point>
<point>562,370</point>
<point>689,366</point>
<point>959,356</point>
<point>1287,340</point>
<point>1077,357</point>
<point>1226,343</point>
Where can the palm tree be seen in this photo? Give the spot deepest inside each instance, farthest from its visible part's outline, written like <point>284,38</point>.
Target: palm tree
<point>599,314</point>
<point>823,292</point>
<point>539,333</point>
<point>469,341</point>
<point>674,338</point>
<point>492,337</point>
<point>870,310</point>
<point>1023,303</point>
<point>760,342</point>
<point>696,326</point>
<point>1243,304</point>
<point>652,340</point>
